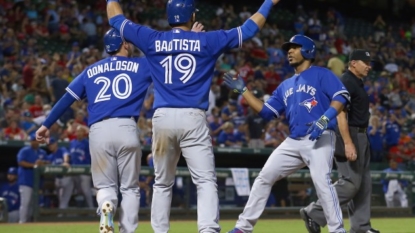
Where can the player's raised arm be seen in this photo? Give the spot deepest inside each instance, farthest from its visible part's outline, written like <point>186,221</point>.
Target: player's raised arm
<point>134,33</point>
<point>269,110</point>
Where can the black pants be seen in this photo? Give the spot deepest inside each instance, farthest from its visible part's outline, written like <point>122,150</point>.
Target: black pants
<point>354,186</point>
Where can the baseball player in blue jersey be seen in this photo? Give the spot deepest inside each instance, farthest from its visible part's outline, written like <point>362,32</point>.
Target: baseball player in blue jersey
<point>79,155</point>
<point>10,192</point>
<point>313,94</point>
<point>115,88</point>
<point>64,184</point>
<point>28,158</point>
<point>182,64</point>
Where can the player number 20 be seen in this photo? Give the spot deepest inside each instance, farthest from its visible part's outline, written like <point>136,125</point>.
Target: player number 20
<point>184,63</point>
<point>104,96</point>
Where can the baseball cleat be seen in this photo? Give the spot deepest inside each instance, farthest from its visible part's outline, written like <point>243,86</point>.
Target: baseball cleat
<point>235,230</point>
<point>312,227</point>
<point>106,224</point>
<point>372,231</point>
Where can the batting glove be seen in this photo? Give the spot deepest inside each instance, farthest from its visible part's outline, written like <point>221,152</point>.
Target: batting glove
<point>237,84</point>
<point>317,128</point>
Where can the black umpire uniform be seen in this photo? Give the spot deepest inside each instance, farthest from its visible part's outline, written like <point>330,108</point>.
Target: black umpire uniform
<point>355,185</point>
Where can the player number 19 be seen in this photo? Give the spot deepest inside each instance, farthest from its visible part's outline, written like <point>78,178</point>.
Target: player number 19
<point>102,94</point>
<point>184,63</point>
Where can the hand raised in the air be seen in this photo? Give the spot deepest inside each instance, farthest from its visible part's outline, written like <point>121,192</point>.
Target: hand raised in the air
<point>198,27</point>
<point>317,128</point>
<point>275,2</point>
<point>237,84</point>
<point>42,135</point>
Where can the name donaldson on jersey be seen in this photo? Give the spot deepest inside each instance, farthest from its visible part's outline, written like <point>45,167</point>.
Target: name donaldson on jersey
<point>113,66</point>
<point>177,44</point>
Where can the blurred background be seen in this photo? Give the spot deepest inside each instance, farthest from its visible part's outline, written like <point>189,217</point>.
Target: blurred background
<point>44,45</point>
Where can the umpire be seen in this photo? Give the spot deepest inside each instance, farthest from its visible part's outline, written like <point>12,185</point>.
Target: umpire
<point>352,154</point>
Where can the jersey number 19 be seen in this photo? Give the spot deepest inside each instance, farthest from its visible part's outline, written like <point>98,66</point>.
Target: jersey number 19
<point>184,63</point>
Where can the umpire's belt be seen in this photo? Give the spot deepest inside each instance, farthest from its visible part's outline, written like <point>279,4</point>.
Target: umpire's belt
<point>359,129</point>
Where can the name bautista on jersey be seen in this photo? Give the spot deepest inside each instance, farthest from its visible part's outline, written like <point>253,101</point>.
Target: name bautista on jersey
<point>113,66</point>
<point>177,44</point>
<point>301,88</point>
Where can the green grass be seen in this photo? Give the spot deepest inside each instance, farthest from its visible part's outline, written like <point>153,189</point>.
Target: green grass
<point>385,225</point>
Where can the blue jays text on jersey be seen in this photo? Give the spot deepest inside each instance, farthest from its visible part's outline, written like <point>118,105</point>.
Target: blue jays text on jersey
<point>181,62</point>
<point>79,152</point>
<point>114,87</point>
<point>305,97</point>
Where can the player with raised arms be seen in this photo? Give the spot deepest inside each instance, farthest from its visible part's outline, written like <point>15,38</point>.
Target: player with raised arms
<point>311,100</point>
<point>115,88</point>
<point>182,65</point>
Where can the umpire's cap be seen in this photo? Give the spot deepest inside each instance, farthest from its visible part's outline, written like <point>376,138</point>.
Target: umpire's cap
<point>180,11</point>
<point>308,48</point>
<point>360,54</point>
<point>112,41</point>
<point>12,171</point>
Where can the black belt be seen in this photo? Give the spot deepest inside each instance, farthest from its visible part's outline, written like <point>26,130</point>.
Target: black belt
<point>359,129</point>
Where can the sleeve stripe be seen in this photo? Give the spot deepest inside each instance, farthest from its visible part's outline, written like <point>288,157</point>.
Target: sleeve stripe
<point>122,28</point>
<point>272,109</point>
<point>73,94</point>
<point>240,36</point>
<point>344,93</point>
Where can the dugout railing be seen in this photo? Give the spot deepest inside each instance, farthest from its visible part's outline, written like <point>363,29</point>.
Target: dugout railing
<point>189,210</point>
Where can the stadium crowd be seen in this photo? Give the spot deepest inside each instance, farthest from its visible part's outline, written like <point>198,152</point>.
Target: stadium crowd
<point>34,76</point>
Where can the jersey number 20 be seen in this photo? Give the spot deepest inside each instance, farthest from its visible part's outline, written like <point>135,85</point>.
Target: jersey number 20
<point>180,65</point>
<point>102,94</point>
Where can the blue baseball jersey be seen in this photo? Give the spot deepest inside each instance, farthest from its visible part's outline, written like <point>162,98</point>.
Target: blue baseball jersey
<point>57,158</point>
<point>11,193</point>
<point>30,155</point>
<point>305,97</point>
<point>181,62</point>
<point>114,87</point>
<point>79,152</point>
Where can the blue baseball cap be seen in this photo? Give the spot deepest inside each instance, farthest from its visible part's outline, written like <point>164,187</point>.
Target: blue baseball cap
<point>32,137</point>
<point>12,171</point>
<point>52,140</point>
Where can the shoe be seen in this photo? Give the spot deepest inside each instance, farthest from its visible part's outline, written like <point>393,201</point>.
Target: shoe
<point>372,231</point>
<point>312,227</point>
<point>235,230</point>
<point>106,224</point>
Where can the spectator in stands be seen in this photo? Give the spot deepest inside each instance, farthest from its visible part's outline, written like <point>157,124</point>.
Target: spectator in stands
<point>395,189</point>
<point>227,136</point>
<point>27,123</point>
<point>375,138</point>
<point>14,132</point>
<point>380,28</point>
<point>335,64</point>
<point>255,130</point>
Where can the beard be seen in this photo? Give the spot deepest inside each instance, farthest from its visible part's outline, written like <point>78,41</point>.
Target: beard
<point>296,64</point>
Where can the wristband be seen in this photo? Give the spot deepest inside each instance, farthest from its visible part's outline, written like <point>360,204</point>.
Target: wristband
<point>330,113</point>
<point>266,8</point>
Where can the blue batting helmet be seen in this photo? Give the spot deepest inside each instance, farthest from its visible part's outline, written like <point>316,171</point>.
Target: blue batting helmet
<point>112,41</point>
<point>180,11</point>
<point>12,171</point>
<point>308,48</point>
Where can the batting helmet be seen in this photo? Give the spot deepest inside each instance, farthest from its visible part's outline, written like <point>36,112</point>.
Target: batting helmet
<point>180,11</point>
<point>308,48</point>
<point>112,41</point>
<point>12,171</point>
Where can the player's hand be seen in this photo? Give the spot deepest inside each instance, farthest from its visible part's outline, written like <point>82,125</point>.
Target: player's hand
<point>350,151</point>
<point>275,2</point>
<point>237,84</point>
<point>317,128</point>
<point>198,27</point>
<point>42,134</point>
